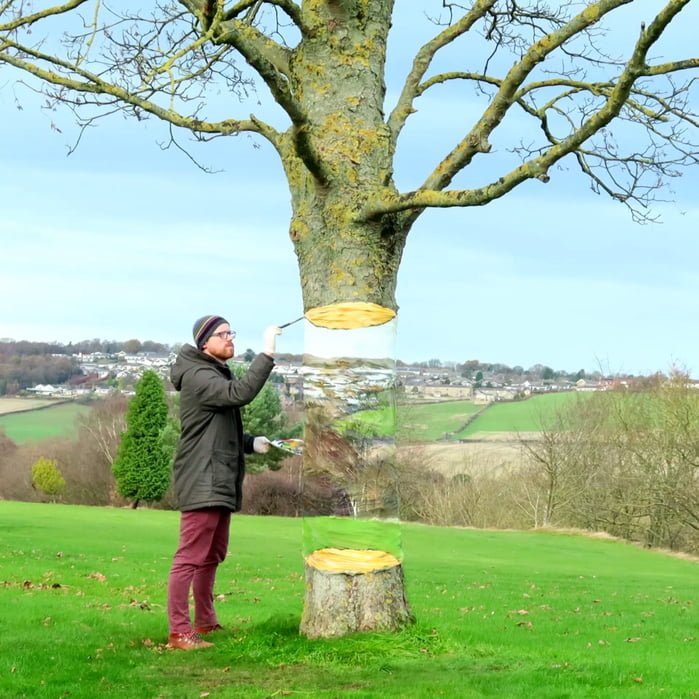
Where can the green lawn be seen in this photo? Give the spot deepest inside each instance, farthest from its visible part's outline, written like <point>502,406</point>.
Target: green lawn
<point>499,614</point>
<point>35,425</point>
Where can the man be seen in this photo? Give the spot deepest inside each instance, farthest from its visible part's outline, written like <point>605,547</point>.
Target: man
<point>209,468</point>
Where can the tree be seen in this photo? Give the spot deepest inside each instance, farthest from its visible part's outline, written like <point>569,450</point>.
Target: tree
<point>626,123</point>
<point>623,461</point>
<point>47,478</point>
<point>547,374</point>
<point>99,436</point>
<point>132,346</point>
<point>142,464</point>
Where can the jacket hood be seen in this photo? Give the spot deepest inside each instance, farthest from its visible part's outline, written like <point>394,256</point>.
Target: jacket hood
<point>189,358</point>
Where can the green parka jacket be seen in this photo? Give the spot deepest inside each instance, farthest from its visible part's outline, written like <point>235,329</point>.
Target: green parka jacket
<point>209,465</point>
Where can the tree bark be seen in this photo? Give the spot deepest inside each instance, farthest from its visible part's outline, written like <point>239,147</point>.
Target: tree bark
<point>341,156</point>
<point>356,594</point>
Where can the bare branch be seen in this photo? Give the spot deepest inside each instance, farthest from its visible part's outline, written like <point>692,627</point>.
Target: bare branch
<point>268,58</point>
<point>288,6</point>
<point>28,20</point>
<point>476,141</point>
<point>423,58</point>
<point>113,94</point>
<point>633,178</point>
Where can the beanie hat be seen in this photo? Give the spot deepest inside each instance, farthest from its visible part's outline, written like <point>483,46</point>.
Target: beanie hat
<point>204,328</point>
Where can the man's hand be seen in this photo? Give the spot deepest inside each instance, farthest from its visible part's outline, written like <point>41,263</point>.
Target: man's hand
<point>269,342</point>
<point>261,445</point>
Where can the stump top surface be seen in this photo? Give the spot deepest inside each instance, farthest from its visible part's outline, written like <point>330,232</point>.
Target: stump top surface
<point>349,315</point>
<point>334,560</point>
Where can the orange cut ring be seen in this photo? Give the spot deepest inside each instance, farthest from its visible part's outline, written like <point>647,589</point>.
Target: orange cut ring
<point>350,315</point>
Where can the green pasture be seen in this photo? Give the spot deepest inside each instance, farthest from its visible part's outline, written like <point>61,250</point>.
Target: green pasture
<point>35,425</point>
<point>499,614</point>
<point>529,415</point>
<point>429,422</point>
<point>418,422</point>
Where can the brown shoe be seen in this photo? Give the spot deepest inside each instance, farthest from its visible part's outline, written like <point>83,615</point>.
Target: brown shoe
<point>203,630</point>
<point>187,641</point>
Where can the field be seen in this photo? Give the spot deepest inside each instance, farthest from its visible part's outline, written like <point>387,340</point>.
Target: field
<point>37,424</point>
<point>423,422</point>
<point>489,441</point>
<point>499,614</point>
<point>520,416</point>
<point>457,420</point>
<point>15,405</point>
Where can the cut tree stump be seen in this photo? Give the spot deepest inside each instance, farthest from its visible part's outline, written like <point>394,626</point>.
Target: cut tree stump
<point>351,590</point>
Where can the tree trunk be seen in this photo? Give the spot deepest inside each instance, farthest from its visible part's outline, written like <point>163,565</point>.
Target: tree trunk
<point>349,591</point>
<point>336,160</point>
<point>341,156</point>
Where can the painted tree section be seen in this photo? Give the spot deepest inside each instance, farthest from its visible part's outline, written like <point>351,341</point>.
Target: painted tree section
<point>351,544</point>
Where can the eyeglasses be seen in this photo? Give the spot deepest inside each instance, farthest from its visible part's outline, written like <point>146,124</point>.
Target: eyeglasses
<point>225,335</point>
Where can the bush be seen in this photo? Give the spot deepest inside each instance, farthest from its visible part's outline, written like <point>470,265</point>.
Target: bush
<point>47,478</point>
<point>273,492</point>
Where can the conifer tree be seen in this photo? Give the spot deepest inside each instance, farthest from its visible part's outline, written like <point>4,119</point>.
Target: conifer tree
<point>142,465</point>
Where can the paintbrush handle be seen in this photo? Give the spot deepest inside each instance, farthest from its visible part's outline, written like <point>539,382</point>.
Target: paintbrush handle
<point>291,322</point>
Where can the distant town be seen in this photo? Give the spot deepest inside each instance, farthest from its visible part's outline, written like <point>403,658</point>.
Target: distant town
<point>104,373</point>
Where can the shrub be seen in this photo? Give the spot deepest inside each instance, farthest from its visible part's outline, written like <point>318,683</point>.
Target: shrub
<point>47,478</point>
<point>273,493</point>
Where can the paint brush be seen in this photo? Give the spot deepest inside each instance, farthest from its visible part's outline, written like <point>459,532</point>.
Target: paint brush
<point>291,322</point>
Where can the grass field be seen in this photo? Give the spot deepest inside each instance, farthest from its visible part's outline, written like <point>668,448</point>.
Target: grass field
<point>420,422</point>
<point>36,425</point>
<point>521,416</point>
<point>14,405</point>
<point>429,422</point>
<point>499,614</point>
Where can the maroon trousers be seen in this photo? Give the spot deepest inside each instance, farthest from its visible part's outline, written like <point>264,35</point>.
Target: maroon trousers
<point>203,545</point>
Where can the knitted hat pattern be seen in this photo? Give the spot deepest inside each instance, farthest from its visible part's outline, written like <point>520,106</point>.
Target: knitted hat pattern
<point>204,328</point>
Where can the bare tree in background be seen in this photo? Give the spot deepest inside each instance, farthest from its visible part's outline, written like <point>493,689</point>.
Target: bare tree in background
<point>625,462</point>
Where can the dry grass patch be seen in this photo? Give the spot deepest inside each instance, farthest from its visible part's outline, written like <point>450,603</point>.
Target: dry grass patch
<point>490,454</point>
<point>18,405</point>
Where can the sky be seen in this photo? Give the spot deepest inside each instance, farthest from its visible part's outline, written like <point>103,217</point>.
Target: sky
<point>123,239</point>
